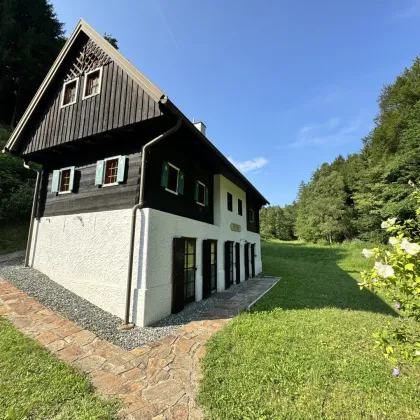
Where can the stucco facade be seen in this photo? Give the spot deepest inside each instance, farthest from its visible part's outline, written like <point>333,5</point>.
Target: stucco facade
<point>88,253</point>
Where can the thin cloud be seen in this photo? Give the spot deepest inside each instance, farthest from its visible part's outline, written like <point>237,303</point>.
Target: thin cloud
<point>409,12</point>
<point>165,21</point>
<point>330,132</point>
<point>250,165</point>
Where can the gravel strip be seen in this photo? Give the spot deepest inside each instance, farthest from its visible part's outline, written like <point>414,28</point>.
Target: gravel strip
<point>90,317</point>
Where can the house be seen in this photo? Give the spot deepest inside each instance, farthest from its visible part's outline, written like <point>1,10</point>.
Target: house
<point>135,209</point>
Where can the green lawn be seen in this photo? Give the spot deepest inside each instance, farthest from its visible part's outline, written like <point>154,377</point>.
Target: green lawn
<point>13,236</point>
<point>305,351</point>
<point>34,384</point>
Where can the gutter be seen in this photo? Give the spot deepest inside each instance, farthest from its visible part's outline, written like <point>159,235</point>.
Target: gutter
<point>139,206</point>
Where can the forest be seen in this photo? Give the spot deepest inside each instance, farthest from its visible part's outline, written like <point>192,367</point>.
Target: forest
<point>348,198</point>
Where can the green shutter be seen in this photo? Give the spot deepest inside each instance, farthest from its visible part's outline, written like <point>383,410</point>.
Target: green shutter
<point>100,166</point>
<point>55,181</point>
<point>196,191</point>
<point>164,176</point>
<point>71,186</point>
<point>121,168</point>
<point>181,178</point>
<point>206,197</point>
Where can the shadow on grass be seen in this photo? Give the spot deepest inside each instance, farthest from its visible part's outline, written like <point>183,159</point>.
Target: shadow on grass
<point>312,278</point>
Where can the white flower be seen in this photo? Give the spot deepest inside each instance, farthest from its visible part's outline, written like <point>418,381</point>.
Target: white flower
<point>368,253</point>
<point>384,270</point>
<point>410,248</point>
<point>417,353</point>
<point>388,223</point>
<point>393,241</point>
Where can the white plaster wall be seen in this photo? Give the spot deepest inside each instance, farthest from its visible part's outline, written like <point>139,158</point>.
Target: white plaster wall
<point>163,227</point>
<point>88,254</point>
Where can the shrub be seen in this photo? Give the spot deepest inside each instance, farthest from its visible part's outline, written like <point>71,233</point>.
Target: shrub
<point>396,274</point>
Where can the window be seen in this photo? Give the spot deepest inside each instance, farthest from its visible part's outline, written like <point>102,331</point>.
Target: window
<point>69,94</point>
<point>251,215</point>
<point>229,201</point>
<point>111,171</point>
<point>201,194</point>
<point>172,179</point>
<point>63,180</point>
<point>213,265</point>
<point>92,84</point>
<point>239,207</point>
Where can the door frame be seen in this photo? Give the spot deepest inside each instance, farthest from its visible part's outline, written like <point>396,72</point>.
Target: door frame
<point>186,269</point>
<point>238,262</point>
<point>206,267</point>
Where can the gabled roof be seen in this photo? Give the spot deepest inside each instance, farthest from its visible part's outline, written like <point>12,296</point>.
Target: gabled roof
<point>156,94</point>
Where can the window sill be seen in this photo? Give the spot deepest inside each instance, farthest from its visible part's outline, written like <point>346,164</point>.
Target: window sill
<point>172,192</point>
<point>110,185</point>
<point>69,104</point>
<point>64,192</point>
<point>90,96</point>
<point>200,204</point>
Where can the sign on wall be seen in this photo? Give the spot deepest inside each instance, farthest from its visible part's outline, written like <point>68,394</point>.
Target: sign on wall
<point>235,227</point>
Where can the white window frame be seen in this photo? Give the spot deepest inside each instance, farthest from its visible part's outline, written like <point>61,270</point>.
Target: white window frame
<point>202,204</point>
<point>59,181</point>
<point>103,178</point>
<point>177,179</point>
<point>86,78</point>
<point>251,213</point>
<point>63,92</point>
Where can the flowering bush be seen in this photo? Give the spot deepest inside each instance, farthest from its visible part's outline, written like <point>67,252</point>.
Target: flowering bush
<point>396,274</point>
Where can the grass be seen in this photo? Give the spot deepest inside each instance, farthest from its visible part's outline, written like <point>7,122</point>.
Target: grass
<point>34,384</point>
<point>305,351</point>
<point>13,236</point>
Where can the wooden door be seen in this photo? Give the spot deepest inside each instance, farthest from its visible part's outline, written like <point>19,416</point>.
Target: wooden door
<point>246,253</point>
<point>228,264</point>
<point>238,261</point>
<point>209,267</point>
<point>183,273</point>
<point>253,260</point>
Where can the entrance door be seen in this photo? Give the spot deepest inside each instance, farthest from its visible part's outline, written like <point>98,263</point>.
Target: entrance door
<point>238,262</point>
<point>246,261</point>
<point>209,267</point>
<point>253,260</point>
<point>183,273</point>
<point>228,264</point>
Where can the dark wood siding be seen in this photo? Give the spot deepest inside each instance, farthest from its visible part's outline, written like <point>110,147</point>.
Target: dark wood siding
<point>183,151</point>
<point>120,102</point>
<point>87,197</point>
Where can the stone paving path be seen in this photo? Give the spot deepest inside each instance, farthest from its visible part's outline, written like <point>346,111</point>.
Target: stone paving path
<point>157,381</point>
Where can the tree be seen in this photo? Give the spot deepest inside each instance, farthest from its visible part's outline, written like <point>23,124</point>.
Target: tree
<point>113,41</point>
<point>31,37</point>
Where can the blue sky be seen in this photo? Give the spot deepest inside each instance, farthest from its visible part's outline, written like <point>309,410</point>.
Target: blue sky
<point>282,86</point>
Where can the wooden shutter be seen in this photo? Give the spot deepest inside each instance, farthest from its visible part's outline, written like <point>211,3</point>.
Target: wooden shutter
<point>206,268</point>
<point>227,265</point>
<point>238,262</point>
<point>181,178</point>
<point>71,182</point>
<point>206,196</point>
<point>196,191</point>
<point>121,168</point>
<point>178,274</point>
<point>252,260</point>
<point>100,167</point>
<point>55,183</point>
<point>164,176</point>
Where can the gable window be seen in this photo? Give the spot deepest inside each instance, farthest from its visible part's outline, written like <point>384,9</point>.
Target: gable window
<point>172,178</point>
<point>69,93</point>
<point>251,216</point>
<point>92,85</point>
<point>229,202</point>
<point>201,194</point>
<point>110,171</point>
<point>63,180</point>
<point>239,207</point>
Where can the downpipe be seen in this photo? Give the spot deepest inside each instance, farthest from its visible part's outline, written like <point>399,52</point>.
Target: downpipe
<point>34,205</point>
<point>139,206</point>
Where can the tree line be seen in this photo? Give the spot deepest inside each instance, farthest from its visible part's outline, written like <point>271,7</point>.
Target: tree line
<point>348,198</point>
